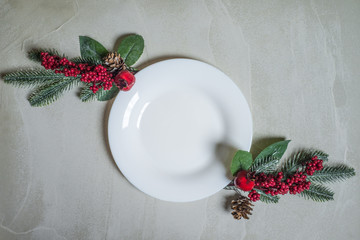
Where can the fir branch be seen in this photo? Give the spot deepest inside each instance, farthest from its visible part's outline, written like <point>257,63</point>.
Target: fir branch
<point>133,70</point>
<point>267,198</point>
<point>332,174</point>
<point>89,60</point>
<point>35,56</point>
<point>49,93</point>
<point>297,160</point>
<point>86,94</point>
<point>31,78</point>
<point>265,165</point>
<point>318,193</point>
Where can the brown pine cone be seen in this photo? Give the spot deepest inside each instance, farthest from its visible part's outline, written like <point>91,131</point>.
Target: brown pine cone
<point>242,208</point>
<point>113,62</point>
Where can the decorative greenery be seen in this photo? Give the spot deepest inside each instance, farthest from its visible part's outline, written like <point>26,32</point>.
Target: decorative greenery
<point>131,48</point>
<point>32,78</point>
<point>332,174</point>
<point>50,92</point>
<point>296,160</point>
<point>241,161</point>
<point>50,85</point>
<point>267,162</point>
<point>266,198</point>
<point>318,193</point>
<point>90,48</point>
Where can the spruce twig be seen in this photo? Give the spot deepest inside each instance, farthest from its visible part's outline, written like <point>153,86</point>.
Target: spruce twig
<point>267,198</point>
<point>297,160</point>
<point>265,165</point>
<point>49,93</point>
<point>318,193</point>
<point>32,78</point>
<point>86,94</point>
<point>35,56</point>
<point>89,60</point>
<point>332,174</point>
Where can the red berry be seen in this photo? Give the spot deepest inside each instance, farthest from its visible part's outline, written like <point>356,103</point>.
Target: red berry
<point>243,182</point>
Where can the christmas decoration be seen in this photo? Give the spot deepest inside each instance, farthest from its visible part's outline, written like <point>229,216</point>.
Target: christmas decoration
<point>302,174</point>
<point>101,74</point>
<point>241,207</point>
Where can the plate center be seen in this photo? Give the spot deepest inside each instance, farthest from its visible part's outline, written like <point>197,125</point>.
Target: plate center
<point>180,131</point>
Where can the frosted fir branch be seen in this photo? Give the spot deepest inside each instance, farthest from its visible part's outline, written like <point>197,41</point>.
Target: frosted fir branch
<point>267,198</point>
<point>297,160</point>
<point>32,77</point>
<point>35,54</point>
<point>264,165</point>
<point>48,93</point>
<point>332,174</point>
<point>318,193</point>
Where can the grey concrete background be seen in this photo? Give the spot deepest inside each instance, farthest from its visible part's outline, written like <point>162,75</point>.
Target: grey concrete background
<point>297,63</point>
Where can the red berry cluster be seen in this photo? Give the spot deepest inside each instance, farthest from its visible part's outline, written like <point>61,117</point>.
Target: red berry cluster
<point>95,74</point>
<point>314,165</point>
<point>254,196</point>
<point>294,184</point>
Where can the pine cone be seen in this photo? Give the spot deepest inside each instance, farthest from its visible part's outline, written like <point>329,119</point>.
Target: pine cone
<point>242,207</point>
<point>114,62</point>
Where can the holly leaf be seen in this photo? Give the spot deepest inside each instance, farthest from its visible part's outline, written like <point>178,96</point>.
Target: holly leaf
<point>275,150</point>
<point>131,48</point>
<point>90,48</point>
<point>242,160</point>
<point>105,95</point>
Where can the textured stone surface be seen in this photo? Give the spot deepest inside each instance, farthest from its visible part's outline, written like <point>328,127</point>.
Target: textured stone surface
<point>297,63</point>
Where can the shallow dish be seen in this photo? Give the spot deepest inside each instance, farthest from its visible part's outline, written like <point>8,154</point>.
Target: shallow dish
<point>173,134</point>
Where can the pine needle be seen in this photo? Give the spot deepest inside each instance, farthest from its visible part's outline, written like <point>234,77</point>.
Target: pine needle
<point>49,93</point>
<point>332,174</point>
<point>34,54</point>
<point>89,60</point>
<point>32,78</point>
<point>87,95</point>
<point>267,198</point>
<point>318,193</point>
<point>265,165</point>
<point>296,160</point>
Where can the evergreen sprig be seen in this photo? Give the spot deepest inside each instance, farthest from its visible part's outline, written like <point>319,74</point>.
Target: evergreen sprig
<point>86,94</point>
<point>32,78</point>
<point>89,60</point>
<point>267,198</point>
<point>332,174</point>
<point>318,193</point>
<point>266,165</point>
<point>297,160</point>
<point>35,54</point>
<point>50,92</point>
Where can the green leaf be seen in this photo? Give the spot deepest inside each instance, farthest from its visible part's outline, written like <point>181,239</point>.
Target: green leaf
<point>266,165</point>
<point>241,161</point>
<point>267,198</point>
<point>131,48</point>
<point>332,174</point>
<point>275,150</point>
<point>50,92</point>
<point>90,48</point>
<point>105,95</point>
<point>31,78</point>
<point>318,193</point>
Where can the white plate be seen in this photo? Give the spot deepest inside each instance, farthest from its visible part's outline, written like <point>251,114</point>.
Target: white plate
<point>171,133</point>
